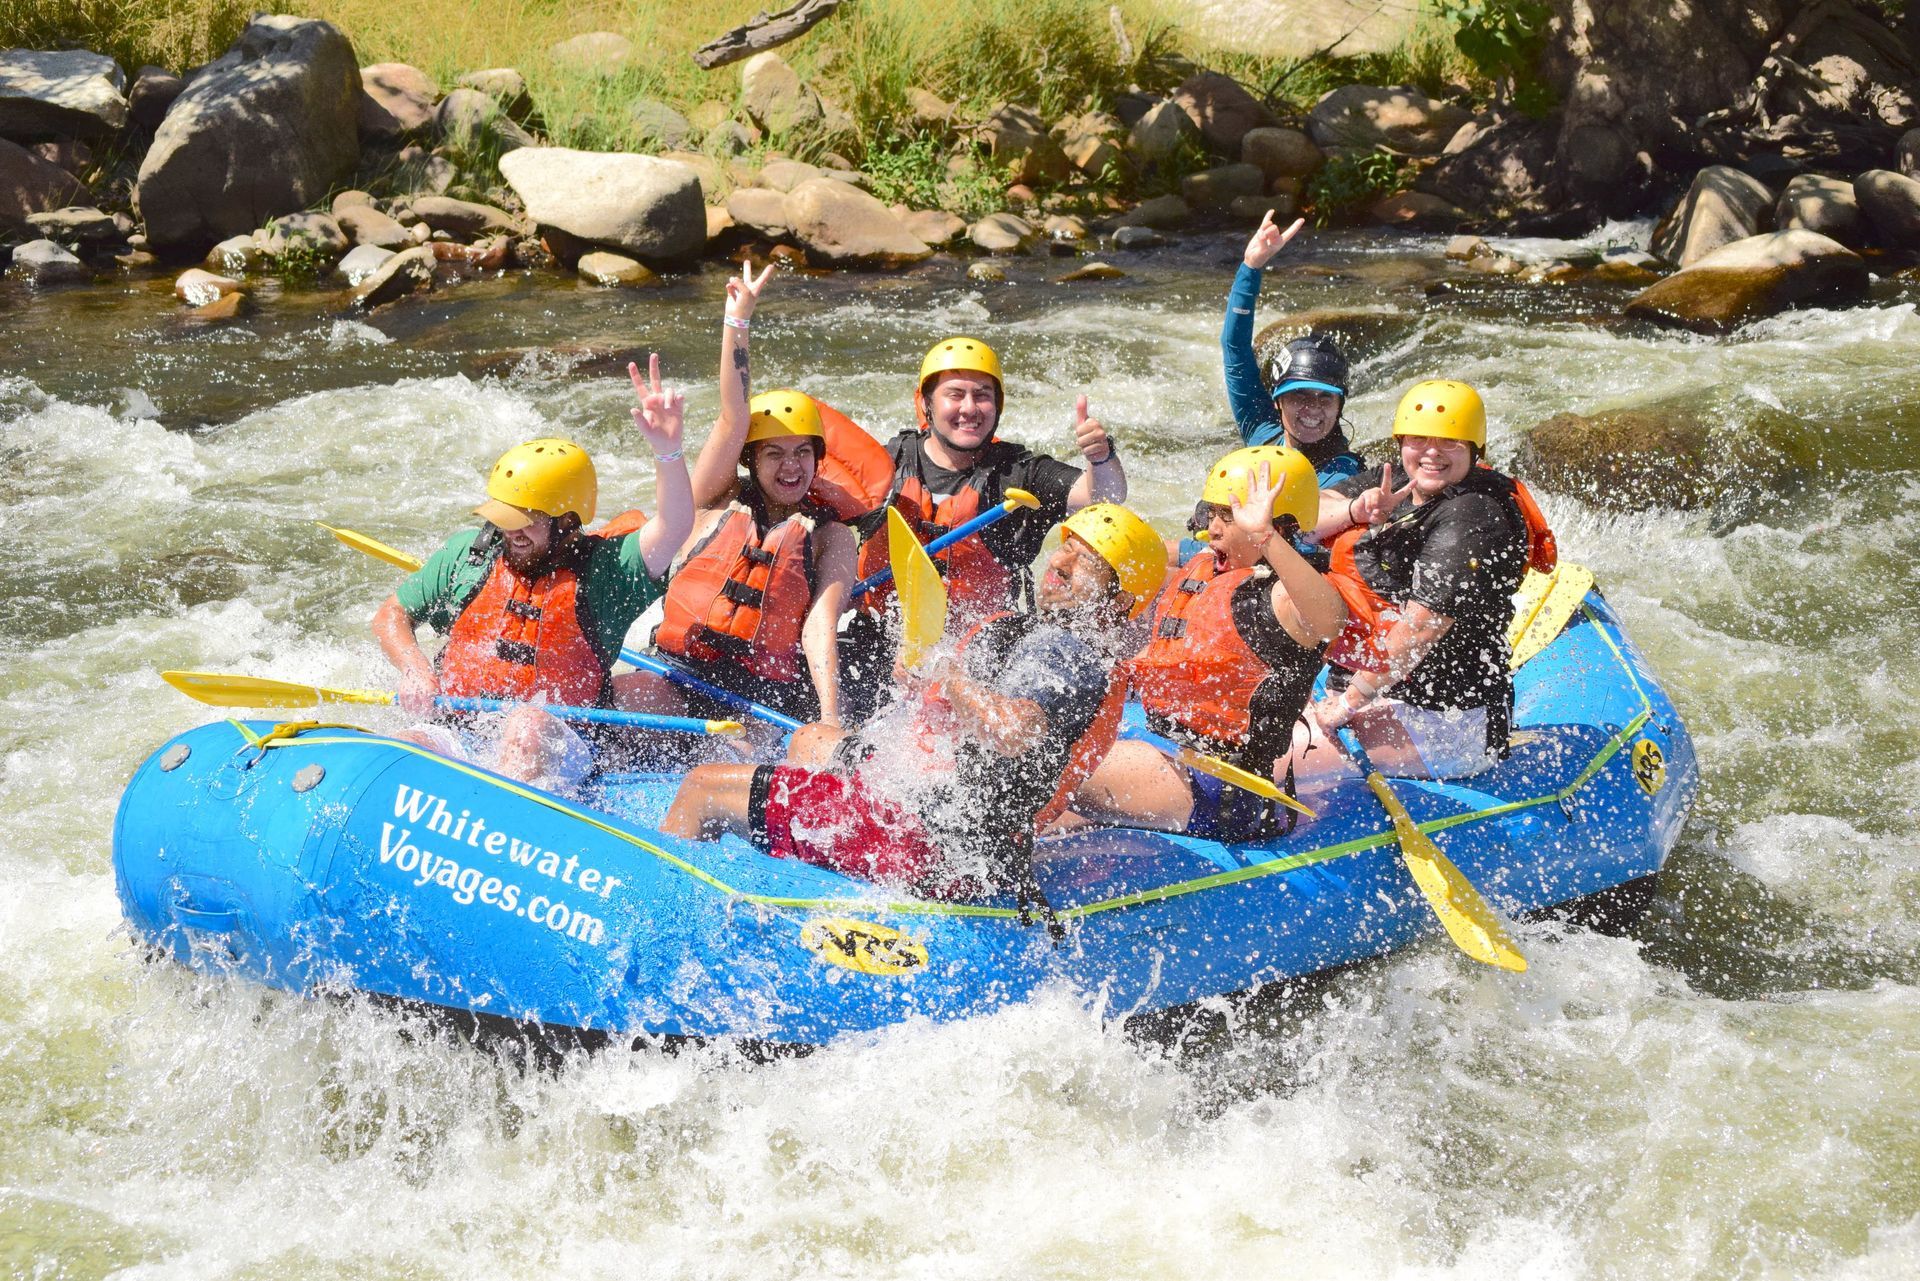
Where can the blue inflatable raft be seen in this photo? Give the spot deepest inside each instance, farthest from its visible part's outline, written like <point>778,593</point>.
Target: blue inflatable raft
<point>325,858</point>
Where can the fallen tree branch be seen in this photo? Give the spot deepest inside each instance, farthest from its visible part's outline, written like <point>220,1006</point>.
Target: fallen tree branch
<point>764,32</point>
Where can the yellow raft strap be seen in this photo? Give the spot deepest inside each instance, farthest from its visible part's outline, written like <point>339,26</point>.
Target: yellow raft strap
<point>916,907</point>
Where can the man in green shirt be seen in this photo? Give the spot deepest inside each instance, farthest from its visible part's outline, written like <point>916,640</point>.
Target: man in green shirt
<point>534,608</point>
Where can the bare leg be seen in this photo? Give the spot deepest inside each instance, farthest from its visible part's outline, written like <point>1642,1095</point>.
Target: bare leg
<point>812,745</point>
<point>647,692</point>
<point>712,799</point>
<point>531,744</point>
<point>1316,756</point>
<point>1139,786</point>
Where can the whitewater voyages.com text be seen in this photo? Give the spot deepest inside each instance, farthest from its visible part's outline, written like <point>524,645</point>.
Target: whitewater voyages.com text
<point>470,884</point>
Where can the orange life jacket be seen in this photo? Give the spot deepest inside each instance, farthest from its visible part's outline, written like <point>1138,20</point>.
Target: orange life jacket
<point>625,523</point>
<point>742,595</point>
<point>522,639</point>
<point>1361,645</point>
<point>1196,670</point>
<point>856,474</point>
<point>977,583</point>
<point>1087,751</point>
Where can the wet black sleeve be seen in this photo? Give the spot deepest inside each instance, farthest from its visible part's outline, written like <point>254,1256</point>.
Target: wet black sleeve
<point>1047,479</point>
<point>1061,673</point>
<point>1466,560</point>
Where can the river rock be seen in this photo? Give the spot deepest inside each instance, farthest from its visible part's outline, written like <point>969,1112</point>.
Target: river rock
<point>154,90</point>
<point>236,254</point>
<point>614,269</point>
<point>933,226</point>
<point>1065,228</point>
<point>1001,233</point>
<point>1825,205</point>
<point>267,128</point>
<point>464,218</point>
<point>1162,213</point>
<point>1891,205</point>
<point>505,86</point>
<point>362,261</point>
<point>659,125</point>
<point>1906,154</point>
<point>1754,277</point>
<point>304,233</point>
<point>775,97</point>
<point>69,93</point>
<point>76,223</point>
<point>986,273</point>
<point>1392,118</point>
<point>1281,153</point>
<point>761,209</point>
<point>1221,109</point>
<point>929,110</point>
<point>365,225</point>
<point>1217,188</point>
<point>601,53</point>
<point>1157,135</point>
<point>1661,456</point>
<point>407,272</point>
<point>418,171</point>
<point>1723,205</point>
<point>1017,138</point>
<point>1417,210</point>
<point>785,175</point>
<point>719,223</point>
<point>44,262</point>
<point>225,307</point>
<point>1133,236</point>
<point>196,288</point>
<point>1499,170</point>
<point>1090,271</point>
<point>396,101</point>
<point>843,225</point>
<point>645,206</point>
<point>30,185</point>
<point>1090,142</point>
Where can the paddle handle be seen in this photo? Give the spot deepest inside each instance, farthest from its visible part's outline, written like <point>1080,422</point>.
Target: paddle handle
<point>598,716</point>
<point>948,539</point>
<point>725,697</point>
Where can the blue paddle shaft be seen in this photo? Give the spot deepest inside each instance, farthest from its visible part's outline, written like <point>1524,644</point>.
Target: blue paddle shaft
<point>596,715</point>
<point>939,544</point>
<point>725,697</point>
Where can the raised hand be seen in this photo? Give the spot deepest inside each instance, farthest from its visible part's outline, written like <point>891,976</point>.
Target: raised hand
<point>418,688</point>
<point>743,294</point>
<point>1375,505</point>
<point>1269,240</point>
<point>661,416</point>
<point>1254,515</point>
<point>1090,436</point>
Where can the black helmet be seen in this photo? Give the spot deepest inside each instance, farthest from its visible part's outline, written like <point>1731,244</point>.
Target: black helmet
<point>1312,363</point>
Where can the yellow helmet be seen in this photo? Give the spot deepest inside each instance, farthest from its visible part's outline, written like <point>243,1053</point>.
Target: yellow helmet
<point>1129,546</point>
<point>960,353</point>
<point>1298,492</point>
<point>549,475</point>
<point>784,413</point>
<point>1443,408</point>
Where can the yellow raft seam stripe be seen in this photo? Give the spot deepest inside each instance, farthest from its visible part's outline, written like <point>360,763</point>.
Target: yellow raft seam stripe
<point>1291,862</point>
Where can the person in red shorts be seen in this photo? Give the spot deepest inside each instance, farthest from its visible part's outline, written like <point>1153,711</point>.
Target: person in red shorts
<point>1003,732</point>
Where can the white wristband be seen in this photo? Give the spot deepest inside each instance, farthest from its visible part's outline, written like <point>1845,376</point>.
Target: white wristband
<point>667,458</point>
<point>736,324</point>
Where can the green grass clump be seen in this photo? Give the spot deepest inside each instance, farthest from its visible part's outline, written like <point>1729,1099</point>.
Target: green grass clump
<point>1350,181</point>
<point>175,34</point>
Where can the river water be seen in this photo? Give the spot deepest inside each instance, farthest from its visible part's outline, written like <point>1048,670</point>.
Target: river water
<point>1730,1088</point>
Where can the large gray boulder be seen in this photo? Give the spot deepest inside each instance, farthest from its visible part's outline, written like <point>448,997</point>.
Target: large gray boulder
<point>1159,131</point>
<point>840,224</point>
<point>71,93</point>
<point>1753,278</point>
<point>1825,205</point>
<point>152,96</point>
<point>1222,110</point>
<point>1498,170</point>
<point>82,224</point>
<point>406,272</point>
<point>1891,204</point>
<point>1281,153</point>
<point>760,209</point>
<point>43,262</point>
<point>775,96</point>
<point>646,206</point>
<point>1017,138</point>
<point>30,185</point>
<point>265,129</point>
<point>464,218</point>
<point>1396,118</point>
<point>1723,205</point>
<point>366,225</point>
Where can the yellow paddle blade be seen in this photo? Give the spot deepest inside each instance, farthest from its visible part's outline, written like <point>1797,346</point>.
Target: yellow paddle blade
<point>1246,780</point>
<point>372,547</point>
<point>1019,498</point>
<point>1547,602</point>
<point>222,690</point>
<point>922,592</point>
<point>726,729</point>
<point>1469,919</point>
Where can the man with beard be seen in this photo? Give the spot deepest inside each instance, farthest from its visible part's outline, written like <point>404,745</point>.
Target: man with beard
<point>1004,731</point>
<point>534,608</point>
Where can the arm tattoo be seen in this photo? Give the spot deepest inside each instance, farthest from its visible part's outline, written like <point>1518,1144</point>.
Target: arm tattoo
<point>740,365</point>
